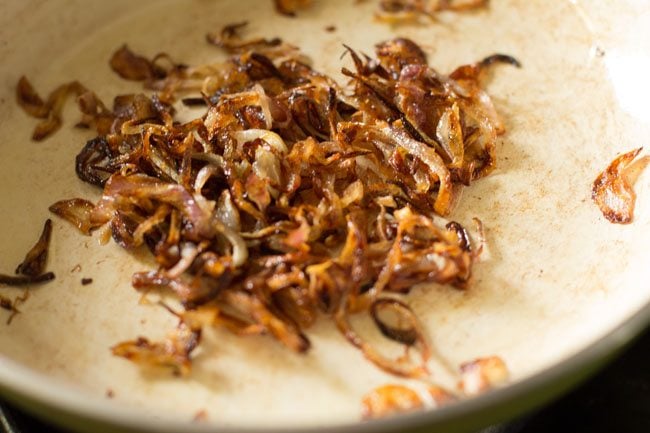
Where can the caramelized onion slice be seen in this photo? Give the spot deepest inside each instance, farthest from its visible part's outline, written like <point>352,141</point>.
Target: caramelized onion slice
<point>76,211</point>
<point>131,66</point>
<point>393,399</point>
<point>398,367</point>
<point>464,241</point>
<point>29,100</point>
<point>612,190</point>
<point>175,352</point>
<point>50,110</point>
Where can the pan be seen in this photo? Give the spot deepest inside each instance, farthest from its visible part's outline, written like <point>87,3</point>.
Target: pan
<point>557,292</point>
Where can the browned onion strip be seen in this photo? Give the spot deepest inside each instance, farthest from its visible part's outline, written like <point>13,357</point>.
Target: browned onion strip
<point>24,280</point>
<point>286,333</point>
<point>175,352</point>
<point>29,100</point>
<point>398,367</point>
<point>50,110</point>
<point>612,190</point>
<point>34,263</point>
<point>131,66</point>
<point>463,237</point>
<point>406,328</point>
<point>76,211</point>
<point>393,399</point>
<point>500,58</point>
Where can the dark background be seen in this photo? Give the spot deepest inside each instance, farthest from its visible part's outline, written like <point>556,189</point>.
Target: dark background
<point>615,401</point>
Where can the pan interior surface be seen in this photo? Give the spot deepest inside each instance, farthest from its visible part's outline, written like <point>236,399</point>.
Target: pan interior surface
<point>556,276</point>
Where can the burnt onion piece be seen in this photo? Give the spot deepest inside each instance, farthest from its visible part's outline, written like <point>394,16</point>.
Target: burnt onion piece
<point>36,258</point>
<point>612,190</point>
<point>24,280</point>
<point>292,196</point>
<point>31,270</point>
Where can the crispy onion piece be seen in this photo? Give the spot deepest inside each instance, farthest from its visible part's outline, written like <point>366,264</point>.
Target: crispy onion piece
<point>239,248</point>
<point>31,270</point>
<point>191,291</point>
<point>49,110</point>
<point>229,38</point>
<point>36,258</point>
<point>482,374</point>
<point>140,186</point>
<point>131,66</point>
<point>390,400</point>
<point>76,211</point>
<point>290,7</point>
<point>174,352</point>
<point>398,367</point>
<point>432,160</point>
<point>393,399</point>
<point>415,256</point>
<point>253,308</point>
<point>29,100</point>
<point>402,327</point>
<point>612,190</point>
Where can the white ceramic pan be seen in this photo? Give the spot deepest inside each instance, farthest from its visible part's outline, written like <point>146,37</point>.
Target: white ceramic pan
<point>559,291</point>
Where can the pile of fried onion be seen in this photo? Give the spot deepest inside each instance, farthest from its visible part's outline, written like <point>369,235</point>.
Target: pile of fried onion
<point>287,196</point>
